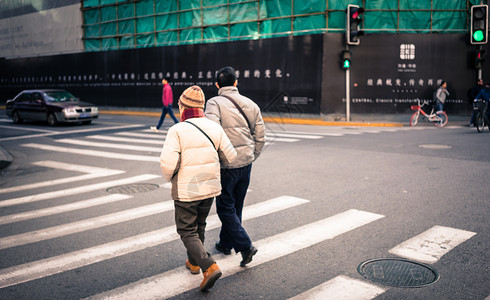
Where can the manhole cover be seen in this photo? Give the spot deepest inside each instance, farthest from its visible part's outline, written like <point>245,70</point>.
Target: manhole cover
<point>129,189</point>
<point>434,146</point>
<point>398,272</point>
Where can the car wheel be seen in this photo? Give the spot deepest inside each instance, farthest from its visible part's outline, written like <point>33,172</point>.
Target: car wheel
<point>16,118</point>
<point>52,120</point>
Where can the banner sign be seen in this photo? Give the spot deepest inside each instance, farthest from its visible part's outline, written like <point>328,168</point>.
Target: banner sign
<point>279,74</point>
<point>390,72</point>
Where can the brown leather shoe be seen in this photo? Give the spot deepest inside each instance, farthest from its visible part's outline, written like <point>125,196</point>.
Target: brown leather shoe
<point>194,269</point>
<point>210,276</point>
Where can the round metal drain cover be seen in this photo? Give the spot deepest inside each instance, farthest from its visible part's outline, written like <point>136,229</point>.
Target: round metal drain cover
<point>398,272</point>
<point>129,189</point>
<point>435,146</point>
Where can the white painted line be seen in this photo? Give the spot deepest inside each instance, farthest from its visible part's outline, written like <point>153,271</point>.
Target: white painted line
<point>69,132</point>
<point>284,140</point>
<point>298,136</point>
<point>110,145</point>
<point>88,152</point>
<point>27,129</point>
<point>76,190</point>
<point>62,208</point>
<point>177,281</point>
<point>69,261</point>
<point>342,287</point>
<point>84,225</point>
<point>143,135</point>
<point>315,133</point>
<point>93,172</point>
<point>127,140</point>
<point>429,246</point>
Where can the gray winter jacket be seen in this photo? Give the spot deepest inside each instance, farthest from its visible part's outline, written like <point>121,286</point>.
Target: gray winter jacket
<point>224,112</point>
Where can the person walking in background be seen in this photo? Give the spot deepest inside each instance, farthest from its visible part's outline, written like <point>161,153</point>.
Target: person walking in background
<point>242,121</point>
<point>167,100</point>
<point>472,93</point>
<point>441,95</point>
<point>190,161</point>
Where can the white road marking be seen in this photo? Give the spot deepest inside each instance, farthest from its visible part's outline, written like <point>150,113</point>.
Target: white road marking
<point>177,281</point>
<point>342,287</point>
<point>431,245</point>
<point>88,152</point>
<point>62,208</point>
<point>290,135</point>
<point>69,132</point>
<point>109,145</point>
<point>69,261</point>
<point>142,135</point>
<point>76,190</point>
<point>92,172</point>
<point>277,139</point>
<point>127,140</point>
<point>84,225</point>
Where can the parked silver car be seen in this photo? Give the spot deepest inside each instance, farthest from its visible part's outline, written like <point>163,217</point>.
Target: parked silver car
<point>53,106</point>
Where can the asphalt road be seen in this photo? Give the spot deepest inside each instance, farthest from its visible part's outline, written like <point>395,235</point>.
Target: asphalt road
<point>323,200</point>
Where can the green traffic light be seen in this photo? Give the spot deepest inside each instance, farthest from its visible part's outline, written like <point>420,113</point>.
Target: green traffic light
<point>478,36</point>
<point>346,64</point>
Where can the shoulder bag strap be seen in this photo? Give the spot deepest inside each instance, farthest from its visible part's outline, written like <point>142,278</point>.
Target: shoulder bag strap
<point>202,132</point>
<point>240,110</point>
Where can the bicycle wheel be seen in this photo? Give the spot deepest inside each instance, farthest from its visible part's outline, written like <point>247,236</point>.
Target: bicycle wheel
<point>480,121</point>
<point>415,118</point>
<point>442,120</point>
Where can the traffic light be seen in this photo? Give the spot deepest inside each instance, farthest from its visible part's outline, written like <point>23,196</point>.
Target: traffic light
<point>479,24</point>
<point>479,58</point>
<point>345,58</point>
<point>354,19</point>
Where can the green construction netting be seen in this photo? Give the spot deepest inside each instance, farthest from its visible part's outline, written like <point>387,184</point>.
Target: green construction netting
<point>122,24</point>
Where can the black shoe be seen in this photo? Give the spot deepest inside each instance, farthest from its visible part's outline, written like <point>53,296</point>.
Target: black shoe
<point>247,255</point>
<point>222,249</point>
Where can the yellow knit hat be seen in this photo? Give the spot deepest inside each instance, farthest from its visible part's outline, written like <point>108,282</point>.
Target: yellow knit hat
<point>192,97</point>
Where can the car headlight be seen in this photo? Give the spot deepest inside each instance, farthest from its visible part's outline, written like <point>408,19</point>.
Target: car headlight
<point>69,110</point>
<point>95,108</point>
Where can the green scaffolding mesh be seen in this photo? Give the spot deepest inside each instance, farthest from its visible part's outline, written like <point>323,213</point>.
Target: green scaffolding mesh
<point>123,24</point>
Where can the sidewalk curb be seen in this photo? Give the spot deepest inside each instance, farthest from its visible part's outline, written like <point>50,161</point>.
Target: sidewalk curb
<point>278,120</point>
<point>5,158</point>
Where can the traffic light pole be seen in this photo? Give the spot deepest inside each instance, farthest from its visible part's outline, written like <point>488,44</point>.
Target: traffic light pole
<point>347,94</point>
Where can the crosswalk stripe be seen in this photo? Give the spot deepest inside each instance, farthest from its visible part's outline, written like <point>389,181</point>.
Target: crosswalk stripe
<point>51,133</point>
<point>69,261</point>
<point>284,140</point>
<point>76,190</point>
<point>342,287</point>
<point>143,135</point>
<point>62,208</point>
<point>177,281</point>
<point>88,152</point>
<point>126,140</point>
<point>93,172</point>
<point>85,225</point>
<point>431,245</point>
<point>299,136</point>
<point>109,145</point>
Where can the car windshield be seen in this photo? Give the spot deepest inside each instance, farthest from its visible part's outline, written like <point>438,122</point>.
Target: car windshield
<point>59,96</point>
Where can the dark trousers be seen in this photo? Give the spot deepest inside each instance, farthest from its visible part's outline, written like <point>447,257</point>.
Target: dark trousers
<point>229,205</point>
<point>165,110</point>
<point>190,219</point>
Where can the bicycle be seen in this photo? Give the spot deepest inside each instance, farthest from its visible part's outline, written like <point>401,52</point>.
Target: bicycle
<point>439,118</point>
<point>481,115</point>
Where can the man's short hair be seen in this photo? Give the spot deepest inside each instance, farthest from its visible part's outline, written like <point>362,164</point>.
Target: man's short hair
<point>167,78</point>
<point>226,77</point>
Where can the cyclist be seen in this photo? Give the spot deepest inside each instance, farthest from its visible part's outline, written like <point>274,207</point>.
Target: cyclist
<point>485,96</point>
<point>441,94</point>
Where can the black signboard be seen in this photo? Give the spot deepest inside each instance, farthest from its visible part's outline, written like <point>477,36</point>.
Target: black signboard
<point>279,74</point>
<point>390,72</point>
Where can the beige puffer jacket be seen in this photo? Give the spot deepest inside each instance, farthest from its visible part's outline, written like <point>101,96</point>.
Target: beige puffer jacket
<point>225,113</point>
<point>190,162</point>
